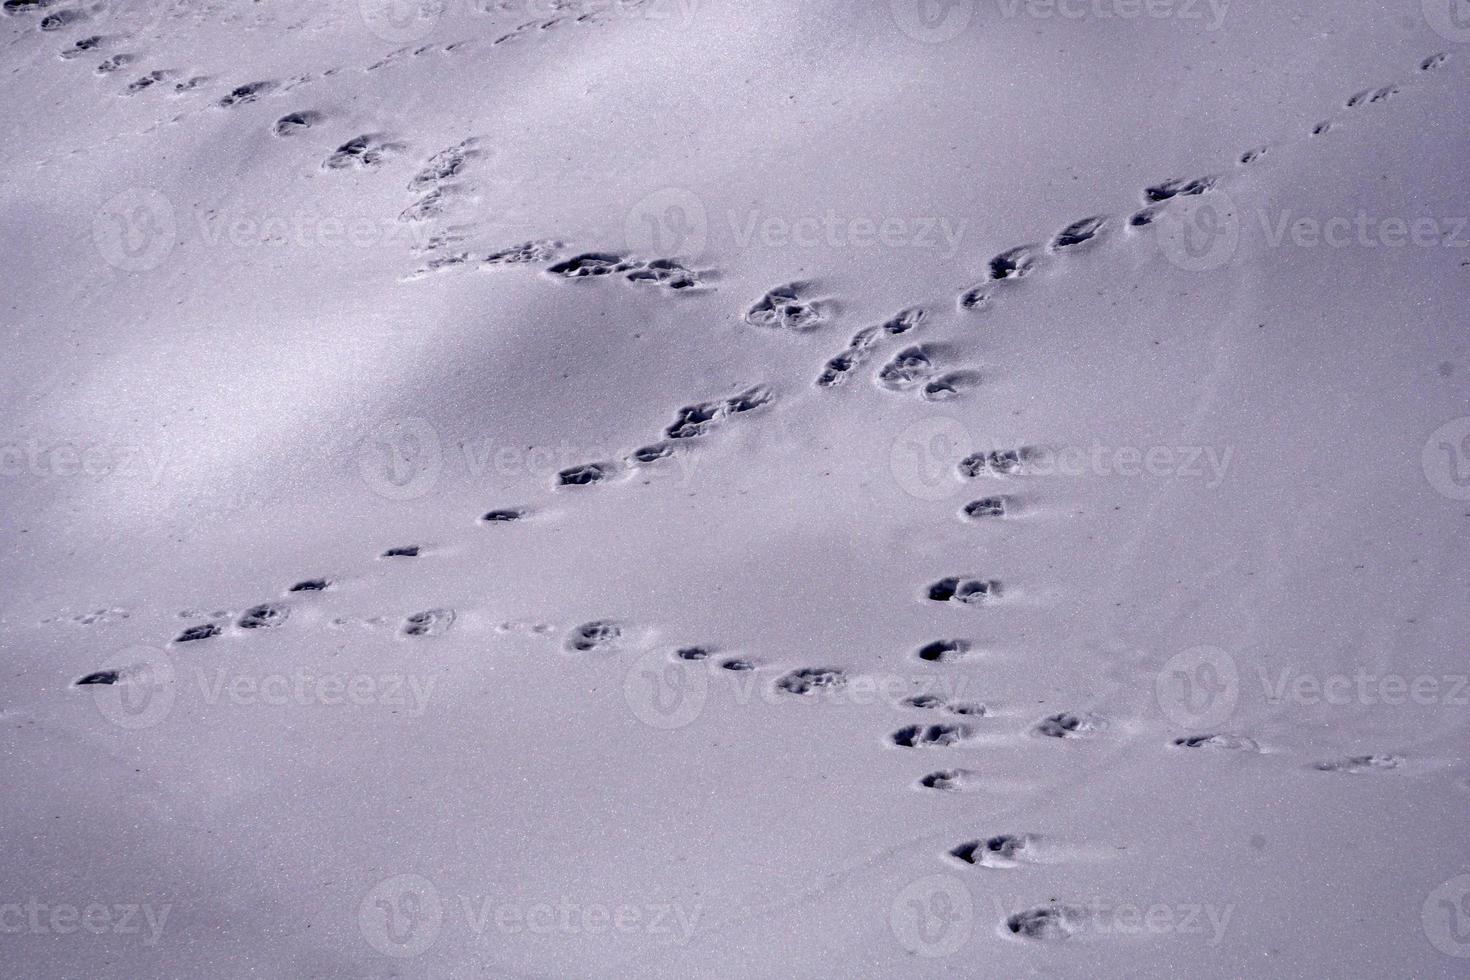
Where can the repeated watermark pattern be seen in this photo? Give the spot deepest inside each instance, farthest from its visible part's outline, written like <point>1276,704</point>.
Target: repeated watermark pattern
<point>34,916</point>
<point>404,916</point>
<point>147,689</point>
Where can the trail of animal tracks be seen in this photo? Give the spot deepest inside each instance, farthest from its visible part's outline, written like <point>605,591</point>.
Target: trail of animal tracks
<point>573,488</point>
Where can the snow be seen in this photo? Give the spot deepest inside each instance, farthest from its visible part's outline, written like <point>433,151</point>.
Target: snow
<point>1237,506</point>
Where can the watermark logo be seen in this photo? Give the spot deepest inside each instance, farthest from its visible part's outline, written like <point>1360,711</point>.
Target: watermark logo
<point>933,917</point>
<point>134,231</point>
<point>142,696</point>
<point>1450,19</point>
<point>669,222</point>
<point>35,917</point>
<point>1446,459</point>
<point>923,457</point>
<point>932,21</point>
<point>401,459</point>
<point>1199,232</point>
<point>1446,917</point>
<point>1198,688</point>
<point>666,693</point>
<point>401,916</point>
<point>401,21</point>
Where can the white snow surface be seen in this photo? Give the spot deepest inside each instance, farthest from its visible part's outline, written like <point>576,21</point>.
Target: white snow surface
<point>1241,505</point>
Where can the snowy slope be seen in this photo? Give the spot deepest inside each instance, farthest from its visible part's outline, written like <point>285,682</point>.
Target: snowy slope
<point>1210,676</point>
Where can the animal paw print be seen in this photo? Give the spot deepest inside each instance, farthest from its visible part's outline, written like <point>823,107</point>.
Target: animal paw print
<point>998,462</point>
<point>1000,851</point>
<point>541,250</point>
<point>202,631</point>
<point>665,272</point>
<point>1361,763</point>
<point>430,622</point>
<point>966,591</point>
<point>264,616</point>
<point>784,308</point>
<point>1015,263</point>
<point>809,680</point>
<point>1065,724</point>
<point>584,475</point>
<point>1233,743</point>
<point>837,369</point>
<point>944,651</point>
<point>1373,96</point>
<point>1049,923</point>
<point>598,636</point>
<point>362,153</point>
<point>949,780</point>
<point>987,508</point>
<point>930,736</point>
<point>591,265</point>
<point>246,94</point>
<point>147,81</point>
<point>1078,233</point>
<point>1179,187</point>
<point>295,122</point>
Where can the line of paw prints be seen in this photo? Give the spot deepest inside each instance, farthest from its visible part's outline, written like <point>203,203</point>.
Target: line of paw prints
<point>1016,264</point>
<point>691,422</point>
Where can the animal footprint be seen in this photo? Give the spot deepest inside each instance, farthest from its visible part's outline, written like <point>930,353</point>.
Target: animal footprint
<point>810,679</point>
<point>193,634</point>
<point>146,81</point>
<point>949,780</point>
<point>1016,263</point>
<point>1067,725</point>
<point>503,516</point>
<point>693,654</point>
<point>311,585</point>
<point>582,476</point>
<point>598,636</point>
<point>836,370</point>
<point>1179,187</point>
<point>430,622</point>
<point>988,507</point>
<point>1078,232</point>
<point>61,19</point>
<point>1433,61</point>
<point>784,308</point>
<point>591,264</point>
<point>264,616</point>
<point>443,165</point>
<point>1373,95</point>
<point>737,664</point>
<point>543,250</point>
<point>968,591</point>
<point>665,272</point>
<point>908,369</point>
<point>245,94</point>
<point>1049,923</point>
<point>1001,851</point>
<point>99,677</point>
<point>1234,743</point>
<point>1001,462</point>
<point>295,122</point>
<point>944,651</point>
<point>116,63</point>
<point>407,551</point>
<point>82,46</point>
<point>930,736</point>
<point>1361,763</point>
<point>361,152</point>
<point>950,385</point>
